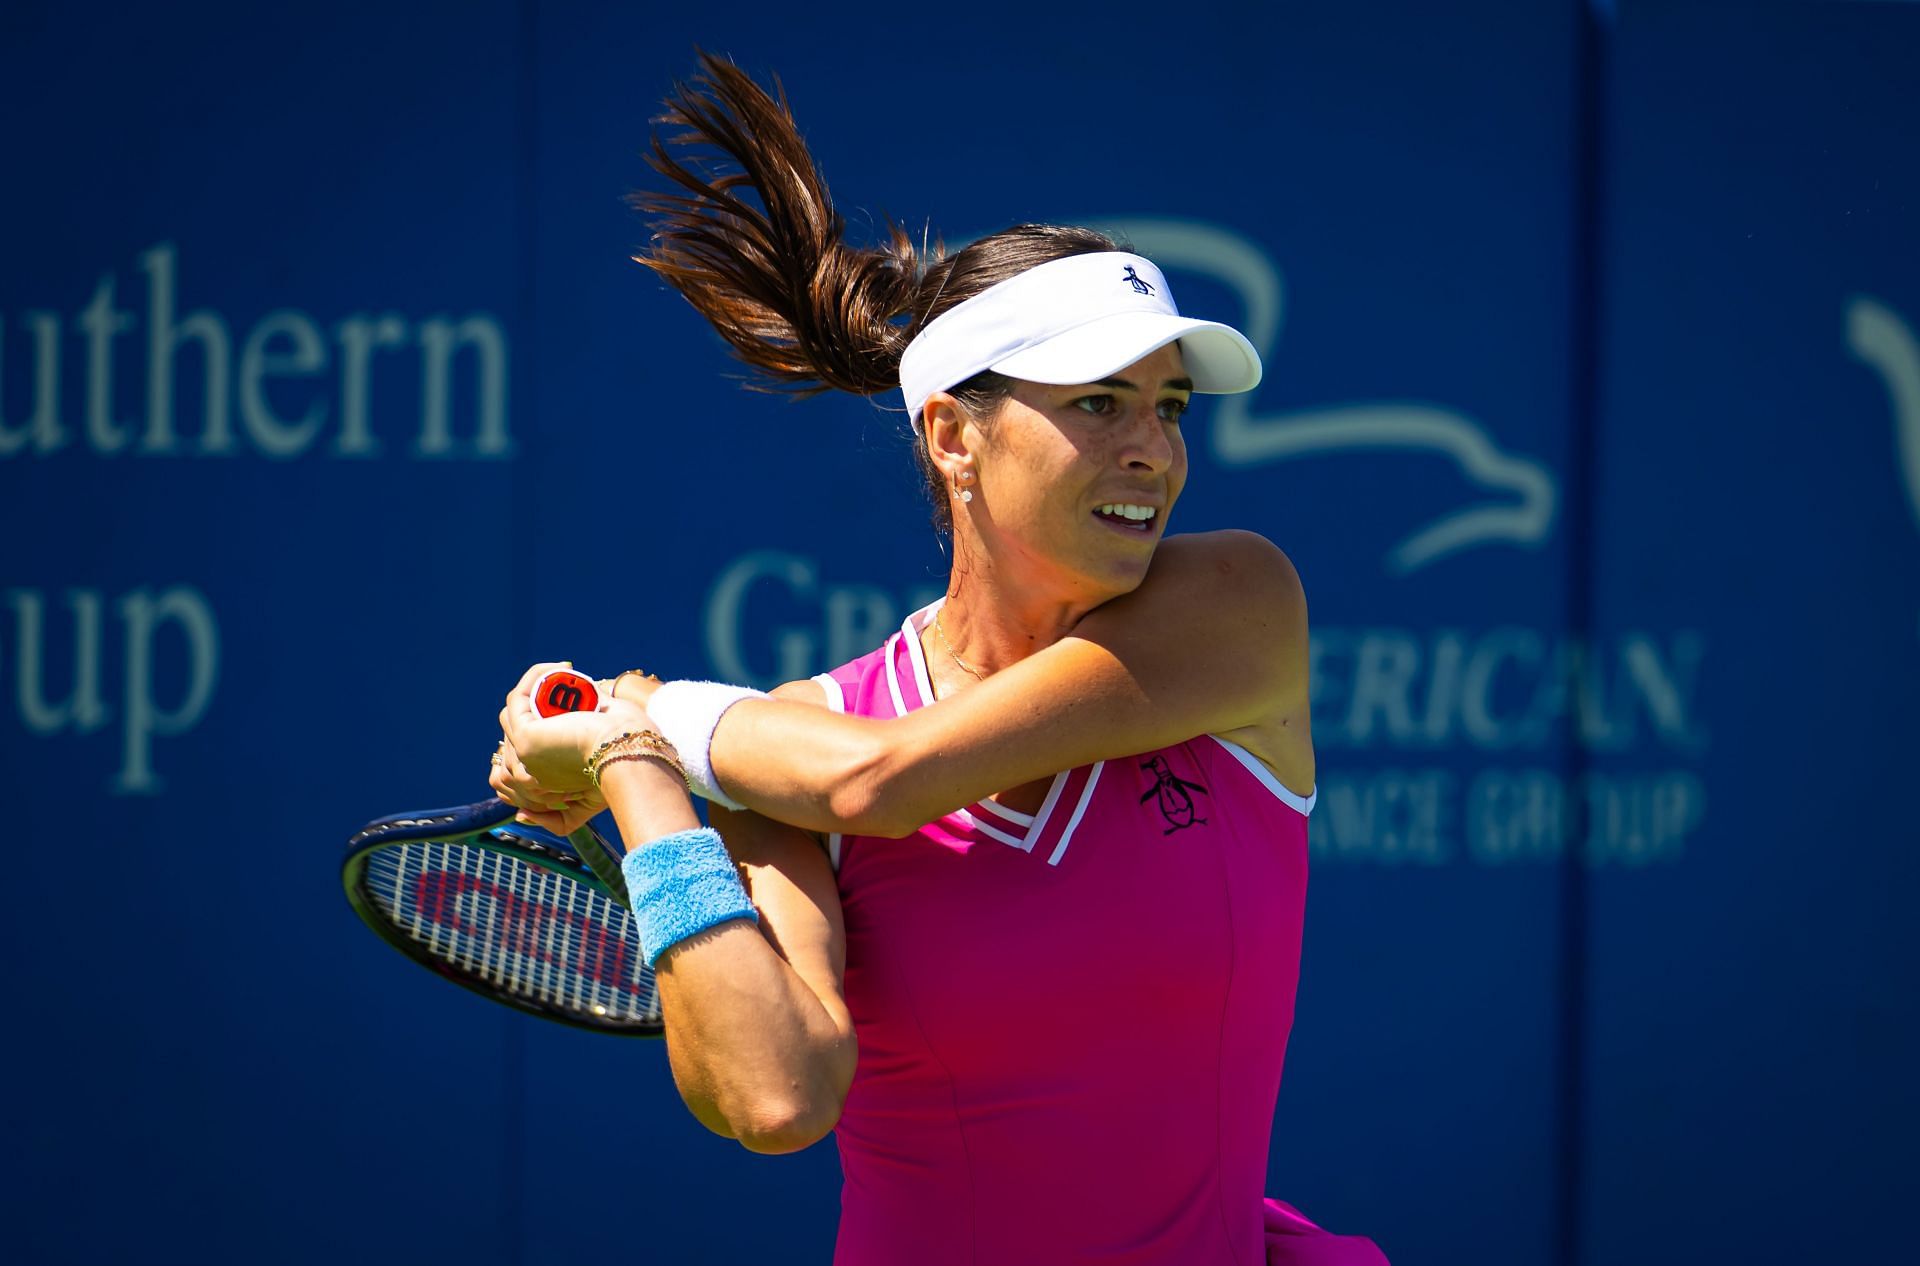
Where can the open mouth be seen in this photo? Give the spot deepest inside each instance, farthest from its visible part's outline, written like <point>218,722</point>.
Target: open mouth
<point>1136,519</point>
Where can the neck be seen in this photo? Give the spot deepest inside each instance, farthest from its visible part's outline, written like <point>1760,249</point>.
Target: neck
<point>992,621</point>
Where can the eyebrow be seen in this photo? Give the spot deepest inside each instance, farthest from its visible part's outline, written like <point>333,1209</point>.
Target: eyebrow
<point>1177,384</point>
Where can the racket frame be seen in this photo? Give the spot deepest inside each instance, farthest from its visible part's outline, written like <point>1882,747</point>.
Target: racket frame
<point>583,856</point>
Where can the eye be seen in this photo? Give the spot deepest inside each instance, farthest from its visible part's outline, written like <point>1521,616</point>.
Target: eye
<point>1173,409</point>
<point>1100,406</point>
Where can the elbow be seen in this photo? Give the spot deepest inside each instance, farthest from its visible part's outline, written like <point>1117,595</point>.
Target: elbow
<point>800,1113</point>
<point>866,798</point>
<point>851,804</point>
<point>775,1129</point>
<point>860,810</point>
<point>772,1120</point>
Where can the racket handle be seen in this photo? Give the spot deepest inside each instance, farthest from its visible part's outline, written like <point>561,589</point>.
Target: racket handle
<point>560,691</point>
<point>564,690</point>
<point>594,852</point>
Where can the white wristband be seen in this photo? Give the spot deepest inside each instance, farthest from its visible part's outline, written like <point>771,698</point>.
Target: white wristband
<point>687,713</point>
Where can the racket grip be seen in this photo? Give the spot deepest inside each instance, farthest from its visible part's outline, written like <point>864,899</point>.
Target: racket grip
<point>560,691</point>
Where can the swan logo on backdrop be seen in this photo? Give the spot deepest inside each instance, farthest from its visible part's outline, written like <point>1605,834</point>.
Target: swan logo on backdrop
<point>1518,508</point>
<point>1444,745</point>
<point>1881,340</point>
<point>125,373</point>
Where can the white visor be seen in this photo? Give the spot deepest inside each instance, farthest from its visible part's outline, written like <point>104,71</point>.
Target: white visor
<point>1073,320</point>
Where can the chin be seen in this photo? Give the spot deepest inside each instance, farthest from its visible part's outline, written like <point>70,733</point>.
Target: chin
<point>1121,575</point>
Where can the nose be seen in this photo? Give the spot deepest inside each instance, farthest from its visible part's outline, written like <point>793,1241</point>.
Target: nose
<point>1149,445</point>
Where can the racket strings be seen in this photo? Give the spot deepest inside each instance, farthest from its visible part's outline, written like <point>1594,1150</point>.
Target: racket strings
<point>515,927</point>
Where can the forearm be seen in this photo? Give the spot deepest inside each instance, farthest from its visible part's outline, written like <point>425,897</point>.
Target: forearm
<point>1070,705</point>
<point>792,760</point>
<point>756,1054</point>
<point>825,771</point>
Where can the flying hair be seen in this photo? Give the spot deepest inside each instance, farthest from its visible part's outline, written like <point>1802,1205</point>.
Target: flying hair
<point>756,245</point>
<point>749,234</point>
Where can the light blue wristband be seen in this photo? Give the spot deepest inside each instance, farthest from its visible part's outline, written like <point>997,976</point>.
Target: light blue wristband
<point>680,885</point>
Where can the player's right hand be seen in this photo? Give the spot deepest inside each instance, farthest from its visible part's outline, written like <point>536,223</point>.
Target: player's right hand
<point>558,812</point>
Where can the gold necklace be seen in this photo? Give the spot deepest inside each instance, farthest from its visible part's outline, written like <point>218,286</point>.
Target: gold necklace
<point>949,645</point>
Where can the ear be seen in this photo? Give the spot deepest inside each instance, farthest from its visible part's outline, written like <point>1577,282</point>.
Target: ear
<point>949,435</point>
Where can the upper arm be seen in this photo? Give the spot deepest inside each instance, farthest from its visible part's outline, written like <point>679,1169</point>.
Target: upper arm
<point>792,886</point>
<point>1215,641</point>
<point>793,889</point>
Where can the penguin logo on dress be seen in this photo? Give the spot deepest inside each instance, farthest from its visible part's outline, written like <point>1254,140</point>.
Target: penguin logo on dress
<point>1174,796</point>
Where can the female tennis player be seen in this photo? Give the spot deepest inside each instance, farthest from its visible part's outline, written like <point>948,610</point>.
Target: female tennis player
<point>1041,857</point>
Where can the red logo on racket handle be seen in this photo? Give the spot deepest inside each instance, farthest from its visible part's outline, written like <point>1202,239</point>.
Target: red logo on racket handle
<point>564,690</point>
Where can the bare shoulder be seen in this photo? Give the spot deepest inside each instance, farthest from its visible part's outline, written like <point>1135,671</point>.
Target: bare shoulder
<point>1236,568</point>
<point>1224,602</point>
<point>1235,588</point>
<point>1229,609</point>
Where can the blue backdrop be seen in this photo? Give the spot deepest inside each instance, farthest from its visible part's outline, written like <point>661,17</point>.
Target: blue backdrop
<point>1592,421</point>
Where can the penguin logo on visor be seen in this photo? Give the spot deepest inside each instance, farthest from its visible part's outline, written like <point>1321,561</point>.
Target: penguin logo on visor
<point>1140,285</point>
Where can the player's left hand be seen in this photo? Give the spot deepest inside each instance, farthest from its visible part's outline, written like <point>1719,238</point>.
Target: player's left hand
<point>540,765</point>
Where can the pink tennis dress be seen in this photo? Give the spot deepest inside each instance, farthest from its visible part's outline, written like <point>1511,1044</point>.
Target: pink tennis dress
<point>1072,1024</point>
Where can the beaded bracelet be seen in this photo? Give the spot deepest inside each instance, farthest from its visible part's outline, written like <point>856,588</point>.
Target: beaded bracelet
<point>633,745</point>
<point>600,751</point>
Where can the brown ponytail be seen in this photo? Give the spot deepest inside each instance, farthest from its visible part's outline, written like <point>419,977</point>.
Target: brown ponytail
<point>775,274</point>
<point>777,280</point>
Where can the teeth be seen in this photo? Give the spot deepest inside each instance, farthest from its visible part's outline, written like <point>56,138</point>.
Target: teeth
<point>1139,514</point>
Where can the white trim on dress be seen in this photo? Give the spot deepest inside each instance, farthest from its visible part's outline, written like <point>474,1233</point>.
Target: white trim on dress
<point>1303,805</point>
<point>910,629</point>
<point>893,679</point>
<point>1079,811</point>
<point>837,701</point>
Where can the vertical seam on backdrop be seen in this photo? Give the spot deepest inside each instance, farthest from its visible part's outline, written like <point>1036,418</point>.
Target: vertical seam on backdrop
<point>1591,66</point>
<point>524,26</point>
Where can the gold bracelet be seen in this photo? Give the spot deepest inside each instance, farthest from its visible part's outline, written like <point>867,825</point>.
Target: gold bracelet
<point>646,745</point>
<point>630,742</point>
<point>635,738</point>
<point>617,757</point>
<point>630,745</point>
<point>601,750</point>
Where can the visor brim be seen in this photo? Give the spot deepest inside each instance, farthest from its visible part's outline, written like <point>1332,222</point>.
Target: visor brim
<point>1219,359</point>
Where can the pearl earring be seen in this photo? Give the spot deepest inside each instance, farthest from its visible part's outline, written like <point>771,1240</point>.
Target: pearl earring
<point>966,494</point>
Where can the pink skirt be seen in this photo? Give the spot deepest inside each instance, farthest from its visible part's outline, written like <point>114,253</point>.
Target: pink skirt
<point>1294,1241</point>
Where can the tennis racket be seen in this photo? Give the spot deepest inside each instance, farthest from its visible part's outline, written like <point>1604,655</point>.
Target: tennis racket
<point>510,911</point>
